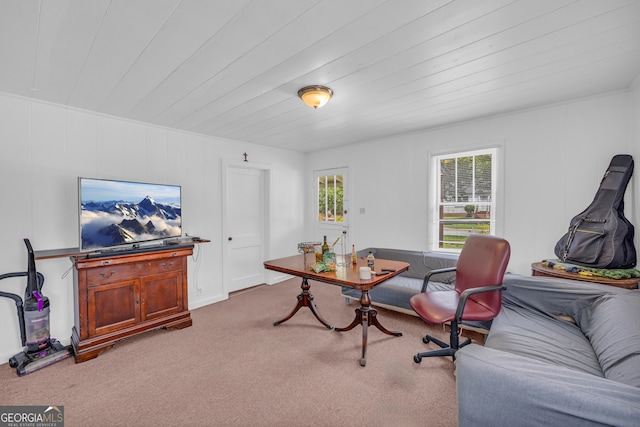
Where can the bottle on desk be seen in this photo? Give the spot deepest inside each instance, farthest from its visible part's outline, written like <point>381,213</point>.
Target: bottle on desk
<point>325,247</point>
<point>371,260</point>
<point>354,256</point>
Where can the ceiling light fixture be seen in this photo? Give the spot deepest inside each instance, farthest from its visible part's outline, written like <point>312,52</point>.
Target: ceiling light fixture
<point>315,96</point>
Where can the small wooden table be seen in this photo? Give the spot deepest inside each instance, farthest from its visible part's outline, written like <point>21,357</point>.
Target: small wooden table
<point>537,269</point>
<point>366,315</point>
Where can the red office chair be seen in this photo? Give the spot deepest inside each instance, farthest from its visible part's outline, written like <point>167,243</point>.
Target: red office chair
<point>477,295</point>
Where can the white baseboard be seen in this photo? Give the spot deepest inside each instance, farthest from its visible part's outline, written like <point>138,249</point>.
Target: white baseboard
<point>277,278</point>
<point>201,302</point>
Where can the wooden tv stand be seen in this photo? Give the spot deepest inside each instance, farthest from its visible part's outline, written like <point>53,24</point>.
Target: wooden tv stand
<point>121,295</point>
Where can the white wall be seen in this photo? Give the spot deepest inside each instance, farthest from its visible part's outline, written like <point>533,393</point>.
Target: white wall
<point>553,159</point>
<point>46,147</point>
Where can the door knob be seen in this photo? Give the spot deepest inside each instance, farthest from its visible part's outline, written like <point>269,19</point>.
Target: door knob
<point>230,238</point>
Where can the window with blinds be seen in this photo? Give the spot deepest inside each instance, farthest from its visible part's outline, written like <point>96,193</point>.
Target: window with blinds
<point>465,199</point>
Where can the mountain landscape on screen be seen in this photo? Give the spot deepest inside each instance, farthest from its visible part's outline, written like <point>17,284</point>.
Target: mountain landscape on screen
<point>112,223</point>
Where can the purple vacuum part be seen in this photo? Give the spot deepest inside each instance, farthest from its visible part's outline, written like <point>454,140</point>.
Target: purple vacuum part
<point>39,299</point>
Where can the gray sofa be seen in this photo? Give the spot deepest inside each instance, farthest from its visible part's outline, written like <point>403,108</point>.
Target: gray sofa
<point>394,294</point>
<point>560,353</point>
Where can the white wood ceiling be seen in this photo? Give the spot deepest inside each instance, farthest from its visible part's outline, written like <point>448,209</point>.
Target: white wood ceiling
<point>232,68</point>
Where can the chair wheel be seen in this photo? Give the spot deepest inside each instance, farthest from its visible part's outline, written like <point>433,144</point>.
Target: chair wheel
<point>426,340</point>
<point>417,358</point>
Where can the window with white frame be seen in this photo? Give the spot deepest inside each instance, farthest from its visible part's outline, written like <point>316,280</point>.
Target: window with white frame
<point>330,203</point>
<point>465,197</point>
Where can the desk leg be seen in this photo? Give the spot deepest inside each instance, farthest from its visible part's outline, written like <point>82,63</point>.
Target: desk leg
<point>366,316</point>
<point>305,299</point>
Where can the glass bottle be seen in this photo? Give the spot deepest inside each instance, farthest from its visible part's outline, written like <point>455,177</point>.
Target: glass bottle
<point>371,260</point>
<point>354,256</point>
<point>325,247</point>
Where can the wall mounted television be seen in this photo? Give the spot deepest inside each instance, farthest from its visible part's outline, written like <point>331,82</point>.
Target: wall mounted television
<point>120,214</point>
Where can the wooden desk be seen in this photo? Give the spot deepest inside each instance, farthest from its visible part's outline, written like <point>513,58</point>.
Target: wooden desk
<point>366,315</point>
<point>537,269</point>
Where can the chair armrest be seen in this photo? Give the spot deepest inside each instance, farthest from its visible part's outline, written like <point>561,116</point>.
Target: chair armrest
<point>462,301</point>
<point>433,272</point>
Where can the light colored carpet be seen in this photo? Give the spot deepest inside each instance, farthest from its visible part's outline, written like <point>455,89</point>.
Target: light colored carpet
<point>234,368</point>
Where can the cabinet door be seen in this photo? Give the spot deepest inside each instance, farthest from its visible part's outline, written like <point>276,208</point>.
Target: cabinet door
<point>161,295</point>
<point>113,306</point>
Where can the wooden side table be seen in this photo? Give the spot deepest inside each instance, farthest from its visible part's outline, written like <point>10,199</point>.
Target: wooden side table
<point>537,269</point>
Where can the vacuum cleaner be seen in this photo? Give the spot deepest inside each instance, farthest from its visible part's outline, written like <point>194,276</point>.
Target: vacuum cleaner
<point>40,349</point>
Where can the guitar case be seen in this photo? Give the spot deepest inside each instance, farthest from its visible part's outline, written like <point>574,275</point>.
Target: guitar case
<point>601,236</point>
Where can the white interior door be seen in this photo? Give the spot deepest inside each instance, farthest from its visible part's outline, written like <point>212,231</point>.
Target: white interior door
<point>245,217</point>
